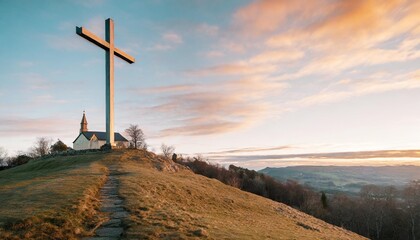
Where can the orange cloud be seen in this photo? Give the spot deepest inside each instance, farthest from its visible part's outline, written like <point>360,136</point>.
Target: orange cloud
<point>348,23</point>
<point>278,56</point>
<point>217,107</point>
<point>267,16</point>
<point>351,88</point>
<point>240,68</point>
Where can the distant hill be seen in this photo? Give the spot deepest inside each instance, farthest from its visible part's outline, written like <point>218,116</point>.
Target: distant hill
<point>345,179</point>
<point>57,198</point>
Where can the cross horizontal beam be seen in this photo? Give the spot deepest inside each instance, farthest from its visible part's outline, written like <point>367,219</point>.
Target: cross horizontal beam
<point>83,32</point>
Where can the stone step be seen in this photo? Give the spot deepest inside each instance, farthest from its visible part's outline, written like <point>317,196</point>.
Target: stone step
<point>109,231</point>
<point>112,209</point>
<point>101,238</point>
<point>122,214</point>
<point>115,222</point>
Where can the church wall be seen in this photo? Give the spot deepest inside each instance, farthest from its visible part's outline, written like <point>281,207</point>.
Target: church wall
<point>98,144</point>
<point>81,143</point>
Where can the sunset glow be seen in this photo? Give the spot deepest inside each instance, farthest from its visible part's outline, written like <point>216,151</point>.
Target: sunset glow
<point>256,83</point>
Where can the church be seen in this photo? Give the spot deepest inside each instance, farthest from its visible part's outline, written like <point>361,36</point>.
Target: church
<point>94,140</point>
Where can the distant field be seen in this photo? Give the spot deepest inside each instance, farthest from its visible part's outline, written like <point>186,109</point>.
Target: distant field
<point>345,179</point>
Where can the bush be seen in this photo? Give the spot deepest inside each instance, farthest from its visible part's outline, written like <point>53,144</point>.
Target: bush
<point>19,160</point>
<point>59,146</point>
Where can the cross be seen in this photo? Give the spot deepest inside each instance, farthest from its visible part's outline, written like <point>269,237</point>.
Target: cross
<point>110,51</point>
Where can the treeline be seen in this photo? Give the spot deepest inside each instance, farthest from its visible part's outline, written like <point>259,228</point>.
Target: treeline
<point>45,147</point>
<point>42,147</point>
<point>377,213</point>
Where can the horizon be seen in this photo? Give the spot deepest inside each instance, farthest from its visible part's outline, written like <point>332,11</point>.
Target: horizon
<point>258,83</point>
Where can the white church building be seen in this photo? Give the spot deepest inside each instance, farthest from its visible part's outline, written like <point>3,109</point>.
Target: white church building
<point>94,139</point>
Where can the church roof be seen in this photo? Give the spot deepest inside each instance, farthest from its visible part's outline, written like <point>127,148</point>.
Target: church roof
<point>102,136</point>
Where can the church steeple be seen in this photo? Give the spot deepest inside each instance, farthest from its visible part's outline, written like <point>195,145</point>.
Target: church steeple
<point>83,123</point>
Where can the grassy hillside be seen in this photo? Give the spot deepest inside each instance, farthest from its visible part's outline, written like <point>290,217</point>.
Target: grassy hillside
<point>59,196</point>
<point>167,201</point>
<point>51,198</point>
<point>345,179</point>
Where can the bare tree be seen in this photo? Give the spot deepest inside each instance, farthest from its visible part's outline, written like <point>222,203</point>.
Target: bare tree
<point>137,137</point>
<point>3,156</point>
<point>412,198</point>
<point>41,147</point>
<point>167,151</point>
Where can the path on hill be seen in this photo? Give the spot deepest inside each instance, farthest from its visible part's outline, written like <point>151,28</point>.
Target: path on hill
<point>112,205</point>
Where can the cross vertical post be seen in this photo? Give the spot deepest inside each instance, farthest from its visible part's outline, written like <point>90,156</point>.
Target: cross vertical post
<point>109,92</point>
<point>110,51</point>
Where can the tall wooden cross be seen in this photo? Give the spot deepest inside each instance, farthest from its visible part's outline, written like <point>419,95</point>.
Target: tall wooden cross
<point>110,51</point>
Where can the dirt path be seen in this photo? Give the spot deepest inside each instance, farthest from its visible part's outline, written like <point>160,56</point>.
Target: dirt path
<point>112,205</point>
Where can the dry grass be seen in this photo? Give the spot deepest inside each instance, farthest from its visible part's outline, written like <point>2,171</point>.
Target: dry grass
<point>57,199</point>
<point>170,203</point>
<point>53,198</point>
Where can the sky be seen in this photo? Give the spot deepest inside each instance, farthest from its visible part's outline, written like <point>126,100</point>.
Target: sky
<point>252,83</point>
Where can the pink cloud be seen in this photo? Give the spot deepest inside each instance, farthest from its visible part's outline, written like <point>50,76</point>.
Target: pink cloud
<point>266,16</point>
<point>216,107</point>
<point>347,23</point>
<point>235,69</point>
<point>22,126</point>
<point>278,56</point>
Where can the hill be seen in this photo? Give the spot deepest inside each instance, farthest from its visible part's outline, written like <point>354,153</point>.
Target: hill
<point>58,198</point>
<point>345,179</point>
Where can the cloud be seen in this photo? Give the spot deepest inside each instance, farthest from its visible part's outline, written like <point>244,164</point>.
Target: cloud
<point>168,41</point>
<point>338,155</point>
<point>167,89</point>
<point>277,56</point>
<point>328,20</point>
<point>362,158</point>
<point>249,150</point>
<point>348,88</point>
<point>214,54</point>
<point>46,99</point>
<point>264,63</point>
<point>96,25</point>
<point>89,3</point>
<point>205,112</point>
<point>23,126</point>
<point>209,30</point>
<point>25,64</point>
<point>172,38</point>
<point>66,42</point>
<point>336,63</point>
<point>217,107</point>
<point>240,68</point>
<point>66,39</point>
<point>34,81</point>
<point>207,128</point>
<point>266,16</point>
<point>233,46</point>
<point>160,47</point>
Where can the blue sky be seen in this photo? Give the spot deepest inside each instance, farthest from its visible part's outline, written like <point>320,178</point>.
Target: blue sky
<point>277,77</point>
